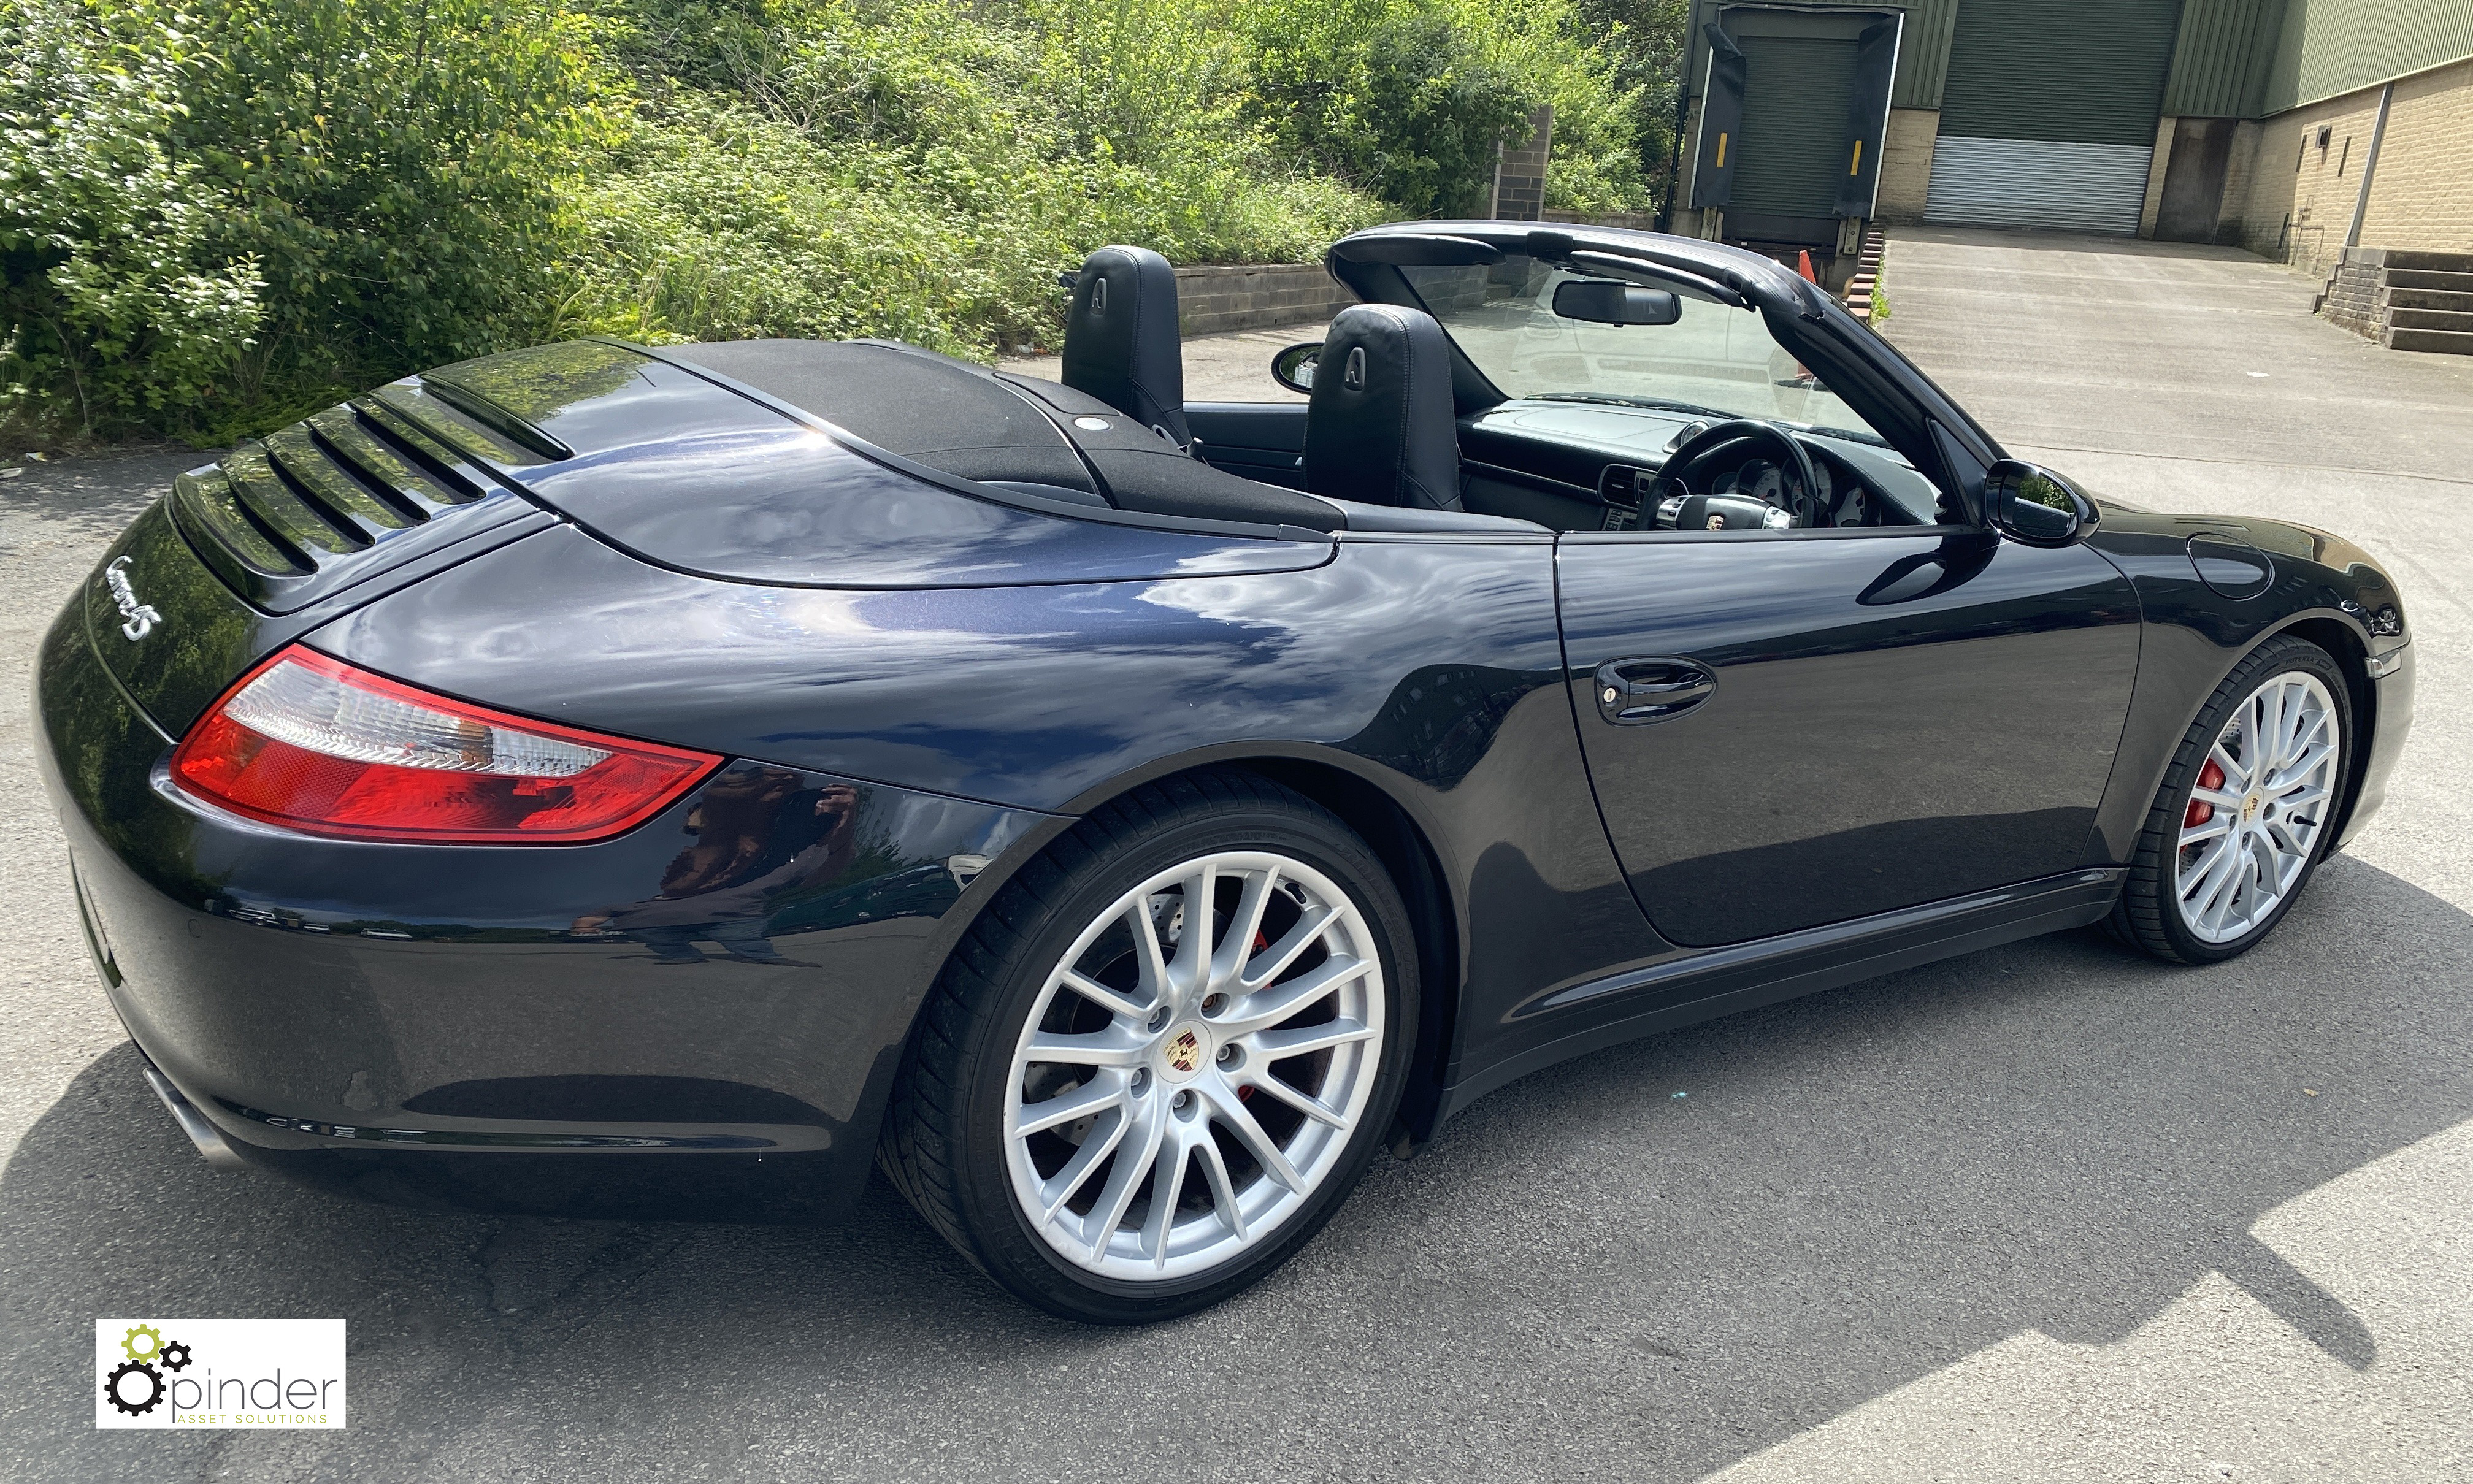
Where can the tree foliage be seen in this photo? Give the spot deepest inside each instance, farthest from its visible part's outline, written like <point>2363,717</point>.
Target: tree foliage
<point>212,218</point>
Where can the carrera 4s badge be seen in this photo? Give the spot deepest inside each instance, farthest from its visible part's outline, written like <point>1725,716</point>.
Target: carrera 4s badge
<point>137,619</point>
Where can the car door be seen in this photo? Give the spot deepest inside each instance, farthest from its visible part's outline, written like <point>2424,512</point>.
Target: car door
<point>1791,729</point>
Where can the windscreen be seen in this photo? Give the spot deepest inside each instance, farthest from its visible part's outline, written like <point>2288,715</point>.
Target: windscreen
<point>1714,360</point>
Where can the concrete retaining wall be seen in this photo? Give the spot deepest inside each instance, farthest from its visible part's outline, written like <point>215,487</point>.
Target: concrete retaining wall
<point>1256,296</point>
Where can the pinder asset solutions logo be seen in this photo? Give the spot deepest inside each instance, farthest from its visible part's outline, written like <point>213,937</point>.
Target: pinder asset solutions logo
<point>219,1373</point>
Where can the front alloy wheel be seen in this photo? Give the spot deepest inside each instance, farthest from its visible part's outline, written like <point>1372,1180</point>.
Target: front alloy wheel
<point>2259,805</point>
<point>2246,810</point>
<point>1162,1055</point>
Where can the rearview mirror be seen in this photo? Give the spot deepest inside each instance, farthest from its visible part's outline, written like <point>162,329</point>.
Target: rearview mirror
<point>2032,505</point>
<point>1294,366</point>
<point>1605,301</point>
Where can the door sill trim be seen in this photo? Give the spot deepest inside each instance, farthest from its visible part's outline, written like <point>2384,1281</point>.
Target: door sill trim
<point>1699,986</point>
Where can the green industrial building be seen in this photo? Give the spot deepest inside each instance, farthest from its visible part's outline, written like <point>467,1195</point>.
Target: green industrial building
<point>2247,122</point>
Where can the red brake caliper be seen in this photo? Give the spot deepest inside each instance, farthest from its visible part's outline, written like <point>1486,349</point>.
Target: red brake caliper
<point>2201,811</point>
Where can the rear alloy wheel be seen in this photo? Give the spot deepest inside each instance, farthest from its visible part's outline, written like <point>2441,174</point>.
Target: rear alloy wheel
<point>1163,1054</point>
<point>2246,809</point>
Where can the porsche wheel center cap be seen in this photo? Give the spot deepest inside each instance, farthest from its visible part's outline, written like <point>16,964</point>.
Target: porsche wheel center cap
<point>2249,809</point>
<point>1183,1051</point>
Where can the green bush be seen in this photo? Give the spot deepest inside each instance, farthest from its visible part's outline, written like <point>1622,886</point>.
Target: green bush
<point>214,221</point>
<point>399,169</point>
<point>881,170</point>
<point>211,221</point>
<point>116,304</point>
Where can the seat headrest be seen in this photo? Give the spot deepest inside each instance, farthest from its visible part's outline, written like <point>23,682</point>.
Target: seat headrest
<point>1380,425</point>
<point>1121,344</point>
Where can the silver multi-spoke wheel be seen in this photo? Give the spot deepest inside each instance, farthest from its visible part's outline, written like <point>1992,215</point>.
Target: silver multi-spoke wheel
<point>2257,808</point>
<point>1195,1066</point>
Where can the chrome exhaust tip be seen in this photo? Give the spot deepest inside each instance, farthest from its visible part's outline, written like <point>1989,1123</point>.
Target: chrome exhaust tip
<point>210,1140</point>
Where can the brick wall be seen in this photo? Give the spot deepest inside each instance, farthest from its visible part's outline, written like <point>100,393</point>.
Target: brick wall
<point>1520,173</point>
<point>1906,164</point>
<point>2283,185</point>
<point>1642,221</point>
<point>2423,193</point>
<point>1257,295</point>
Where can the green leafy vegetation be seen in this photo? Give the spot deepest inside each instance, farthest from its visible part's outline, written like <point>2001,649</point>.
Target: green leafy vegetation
<point>215,219</point>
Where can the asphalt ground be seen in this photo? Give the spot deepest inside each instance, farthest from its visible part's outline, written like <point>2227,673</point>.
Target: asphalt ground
<point>2046,1212</point>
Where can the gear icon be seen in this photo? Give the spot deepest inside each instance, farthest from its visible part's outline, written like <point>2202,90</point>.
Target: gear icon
<point>154,1380</point>
<point>175,1357</point>
<point>153,1347</point>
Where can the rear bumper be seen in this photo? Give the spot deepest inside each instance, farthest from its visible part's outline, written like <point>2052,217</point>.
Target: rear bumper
<point>536,1028</point>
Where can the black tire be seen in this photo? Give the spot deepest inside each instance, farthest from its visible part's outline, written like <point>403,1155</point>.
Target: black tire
<point>2148,916</point>
<point>944,1146</point>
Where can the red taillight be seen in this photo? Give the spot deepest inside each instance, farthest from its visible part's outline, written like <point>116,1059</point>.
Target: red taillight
<point>311,743</point>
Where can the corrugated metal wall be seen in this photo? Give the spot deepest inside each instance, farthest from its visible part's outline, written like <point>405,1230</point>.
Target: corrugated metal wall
<point>2327,47</point>
<point>2220,64</point>
<point>2091,72</point>
<point>2238,58</point>
<point>1923,51</point>
<point>1923,54</point>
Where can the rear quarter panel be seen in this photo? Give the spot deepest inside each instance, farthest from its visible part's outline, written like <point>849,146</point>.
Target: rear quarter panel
<point>1429,667</point>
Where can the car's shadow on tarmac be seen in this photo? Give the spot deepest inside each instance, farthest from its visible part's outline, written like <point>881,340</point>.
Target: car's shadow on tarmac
<point>1665,1256</point>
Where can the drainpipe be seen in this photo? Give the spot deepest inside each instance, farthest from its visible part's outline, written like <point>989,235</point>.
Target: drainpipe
<point>2370,168</point>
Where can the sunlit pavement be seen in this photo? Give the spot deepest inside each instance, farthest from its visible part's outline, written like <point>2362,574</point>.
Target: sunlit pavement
<point>2047,1212</point>
<point>2185,378</point>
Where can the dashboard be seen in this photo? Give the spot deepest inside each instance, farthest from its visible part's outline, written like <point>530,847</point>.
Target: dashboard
<point>1591,466</point>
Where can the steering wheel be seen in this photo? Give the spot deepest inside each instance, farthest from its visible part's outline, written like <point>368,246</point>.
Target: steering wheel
<point>1674,505</point>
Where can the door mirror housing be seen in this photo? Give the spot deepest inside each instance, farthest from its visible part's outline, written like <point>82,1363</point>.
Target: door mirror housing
<point>2031,504</point>
<point>1606,302</point>
<point>1294,366</point>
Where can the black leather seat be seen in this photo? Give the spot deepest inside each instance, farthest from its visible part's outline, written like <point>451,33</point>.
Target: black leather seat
<point>1380,426</point>
<point>1121,344</point>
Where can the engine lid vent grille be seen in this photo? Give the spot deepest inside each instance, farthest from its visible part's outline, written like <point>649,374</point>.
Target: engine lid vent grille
<point>313,508</point>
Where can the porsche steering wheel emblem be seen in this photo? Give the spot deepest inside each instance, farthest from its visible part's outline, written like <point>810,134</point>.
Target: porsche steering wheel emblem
<point>1185,1052</point>
<point>1716,522</point>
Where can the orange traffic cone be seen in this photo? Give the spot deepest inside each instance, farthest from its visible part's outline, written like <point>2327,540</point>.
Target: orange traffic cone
<point>1803,266</point>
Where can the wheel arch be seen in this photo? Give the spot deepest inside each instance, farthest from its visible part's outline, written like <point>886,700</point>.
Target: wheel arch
<point>2351,654</point>
<point>1350,788</point>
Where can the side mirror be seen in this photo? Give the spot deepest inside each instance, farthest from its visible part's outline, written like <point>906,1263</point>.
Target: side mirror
<point>2030,504</point>
<point>1606,302</point>
<point>1294,366</point>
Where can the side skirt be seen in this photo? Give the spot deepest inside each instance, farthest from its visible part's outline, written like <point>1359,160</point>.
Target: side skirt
<point>1704,985</point>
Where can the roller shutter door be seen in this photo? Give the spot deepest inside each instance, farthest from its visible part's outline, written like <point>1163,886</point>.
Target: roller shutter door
<point>2047,116</point>
<point>1796,93</point>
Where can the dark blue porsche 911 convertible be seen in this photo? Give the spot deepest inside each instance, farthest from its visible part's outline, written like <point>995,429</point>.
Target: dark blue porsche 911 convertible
<point>677,780</point>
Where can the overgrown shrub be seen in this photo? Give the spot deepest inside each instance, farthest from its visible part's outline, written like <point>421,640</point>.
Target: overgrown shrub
<point>881,170</point>
<point>116,303</point>
<point>211,220</point>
